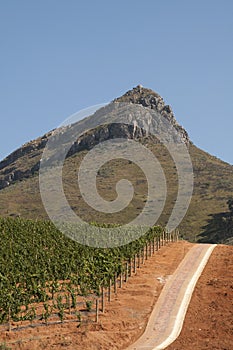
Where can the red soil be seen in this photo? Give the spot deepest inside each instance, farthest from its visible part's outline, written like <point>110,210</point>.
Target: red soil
<point>124,318</point>
<point>208,323</point>
<point>209,319</point>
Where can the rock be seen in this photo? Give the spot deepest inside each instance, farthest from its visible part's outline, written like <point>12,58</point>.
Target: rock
<point>10,172</point>
<point>150,99</point>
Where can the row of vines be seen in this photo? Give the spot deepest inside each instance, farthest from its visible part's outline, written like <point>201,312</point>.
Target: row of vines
<point>44,274</point>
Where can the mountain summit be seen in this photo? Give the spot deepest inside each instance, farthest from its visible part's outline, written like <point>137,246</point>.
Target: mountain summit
<point>25,161</point>
<point>213,185</point>
<point>150,99</point>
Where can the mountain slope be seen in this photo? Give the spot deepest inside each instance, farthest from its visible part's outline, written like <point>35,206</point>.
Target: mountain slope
<point>213,185</point>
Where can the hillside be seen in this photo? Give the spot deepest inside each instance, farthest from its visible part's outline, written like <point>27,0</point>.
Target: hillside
<point>208,322</point>
<point>213,185</point>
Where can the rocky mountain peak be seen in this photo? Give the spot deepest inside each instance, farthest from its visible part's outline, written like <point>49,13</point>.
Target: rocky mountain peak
<point>151,99</point>
<point>140,95</point>
<point>25,161</point>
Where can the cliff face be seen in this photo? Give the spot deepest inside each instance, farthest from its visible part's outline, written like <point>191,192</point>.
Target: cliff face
<point>22,163</point>
<point>25,161</point>
<point>150,99</point>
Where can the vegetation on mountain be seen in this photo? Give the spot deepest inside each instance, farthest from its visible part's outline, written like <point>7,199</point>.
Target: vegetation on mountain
<point>213,185</point>
<point>219,228</point>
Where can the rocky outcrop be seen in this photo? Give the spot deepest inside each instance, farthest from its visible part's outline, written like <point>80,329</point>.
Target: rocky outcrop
<point>17,175</point>
<point>150,99</point>
<point>103,133</point>
<point>12,168</point>
<point>10,174</point>
<point>25,161</point>
<point>93,137</point>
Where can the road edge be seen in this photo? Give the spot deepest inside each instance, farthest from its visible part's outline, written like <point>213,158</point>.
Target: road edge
<point>185,302</point>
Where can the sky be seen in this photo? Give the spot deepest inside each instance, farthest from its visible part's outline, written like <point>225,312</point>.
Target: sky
<point>60,56</point>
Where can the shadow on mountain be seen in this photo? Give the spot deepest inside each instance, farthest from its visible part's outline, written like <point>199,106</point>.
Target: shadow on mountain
<point>218,230</point>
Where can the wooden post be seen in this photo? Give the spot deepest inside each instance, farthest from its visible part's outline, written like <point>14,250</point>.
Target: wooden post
<point>102,299</point>
<point>135,262</point>
<point>109,290</point>
<point>153,245</point>
<point>9,319</point>
<point>97,311</point>
<point>115,283</point>
<point>146,251</point>
<point>121,280</point>
<point>143,255</point>
<point>126,271</point>
<point>69,306</point>
<point>130,267</point>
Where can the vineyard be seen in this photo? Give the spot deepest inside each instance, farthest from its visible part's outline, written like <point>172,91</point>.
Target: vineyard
<point>45,276</point>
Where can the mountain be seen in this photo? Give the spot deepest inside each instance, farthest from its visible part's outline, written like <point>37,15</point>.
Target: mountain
<point>213,185</point>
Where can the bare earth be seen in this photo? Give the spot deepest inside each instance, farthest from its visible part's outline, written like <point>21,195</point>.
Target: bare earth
<point>209,319</point>
<point>124,319</point>
<point>208,324</point>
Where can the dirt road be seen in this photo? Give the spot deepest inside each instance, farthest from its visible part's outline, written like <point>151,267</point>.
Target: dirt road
<point>209,320</point>
<point>167,318</point>
<point>208,323</point>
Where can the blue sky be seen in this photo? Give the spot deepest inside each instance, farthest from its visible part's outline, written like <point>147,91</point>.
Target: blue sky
<point>59,56</point>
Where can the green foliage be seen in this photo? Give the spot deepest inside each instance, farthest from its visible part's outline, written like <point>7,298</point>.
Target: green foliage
<point>61,307</point>
<point>4,347</point>
<point>89,304</point>
<point>48,310</point>
<point>79,318</point>
<point>230,205</point>
<point>35,257</point>
<point>219,228</point>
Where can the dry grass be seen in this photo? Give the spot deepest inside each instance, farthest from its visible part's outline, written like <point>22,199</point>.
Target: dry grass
<point>212,177</point>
